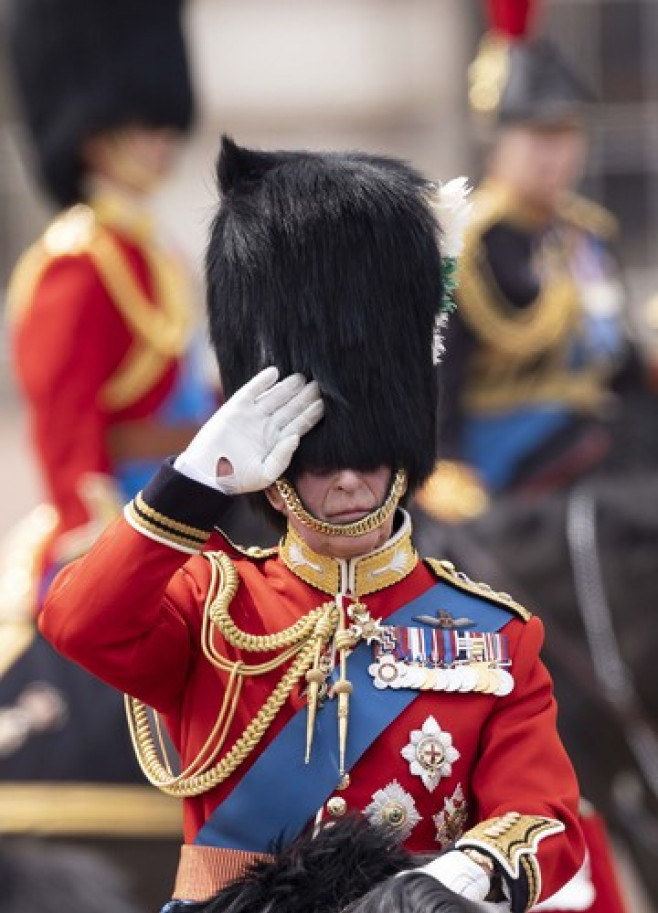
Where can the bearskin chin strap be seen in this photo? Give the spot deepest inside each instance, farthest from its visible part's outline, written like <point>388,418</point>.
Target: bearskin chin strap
<point>366,524</point>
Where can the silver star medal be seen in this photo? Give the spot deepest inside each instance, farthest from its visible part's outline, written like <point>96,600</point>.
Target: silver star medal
<point>430,753</point>
<point>393,808</point>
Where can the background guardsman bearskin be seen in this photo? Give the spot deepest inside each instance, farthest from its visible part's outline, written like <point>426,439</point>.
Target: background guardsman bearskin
<point>85,67</point>
<point>355,308</point>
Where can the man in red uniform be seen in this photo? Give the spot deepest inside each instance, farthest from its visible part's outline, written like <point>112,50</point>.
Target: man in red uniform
<point>101,312</point>
<point>338,672</point>
<point>102,336</point>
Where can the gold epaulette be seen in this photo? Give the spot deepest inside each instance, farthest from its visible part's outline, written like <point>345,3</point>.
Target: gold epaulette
<point>69,234</point>
<point>512,840</point>
<point>160,333</point>
<point>446,570</point>
<point>589,216</point>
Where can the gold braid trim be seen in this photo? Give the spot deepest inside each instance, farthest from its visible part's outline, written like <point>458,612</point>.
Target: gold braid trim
<point>446,570</point>
<point>161,331</point>
<point>518,334</point>
<point>301,641</point>
<point>583,392</point>
<point>155,522</point>
<point>512,840</point>
<point>78,809</point>
<point>359,527</point>
<point>164,328</point>
<point>589,216</point>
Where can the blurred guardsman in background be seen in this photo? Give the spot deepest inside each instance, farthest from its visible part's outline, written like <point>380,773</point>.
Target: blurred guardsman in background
<point>102,332</point>
<point>100,311</point>
<point>540,338</point>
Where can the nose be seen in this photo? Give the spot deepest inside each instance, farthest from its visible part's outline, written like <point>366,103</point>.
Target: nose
<point>348,480</point>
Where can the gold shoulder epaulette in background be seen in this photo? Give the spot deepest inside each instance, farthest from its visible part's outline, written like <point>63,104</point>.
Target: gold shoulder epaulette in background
<point>589,216</point>
<point>492,202</point>
<point>446,570</point>
<point>69,234</point>
<point>489,204</point>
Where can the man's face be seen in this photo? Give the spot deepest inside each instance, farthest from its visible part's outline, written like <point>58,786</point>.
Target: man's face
<point>542,163</point>
<point>340,496</point>
<point>135,158</point>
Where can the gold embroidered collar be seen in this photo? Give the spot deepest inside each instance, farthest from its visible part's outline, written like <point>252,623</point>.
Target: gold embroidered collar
<point>360,576</point>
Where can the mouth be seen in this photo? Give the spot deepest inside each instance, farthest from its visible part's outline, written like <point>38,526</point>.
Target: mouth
<point>349,516</point>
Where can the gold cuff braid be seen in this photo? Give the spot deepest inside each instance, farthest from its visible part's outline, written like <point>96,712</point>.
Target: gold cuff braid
<point>512,840</point>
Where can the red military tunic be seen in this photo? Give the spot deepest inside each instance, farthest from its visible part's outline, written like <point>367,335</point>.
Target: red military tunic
<point>131,611</point>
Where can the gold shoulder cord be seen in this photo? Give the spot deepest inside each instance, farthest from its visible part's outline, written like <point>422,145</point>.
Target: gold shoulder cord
<point>303,640</point>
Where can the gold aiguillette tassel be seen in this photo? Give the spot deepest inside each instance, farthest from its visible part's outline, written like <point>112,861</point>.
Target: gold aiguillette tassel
<point>315,676</point>
<point>343,687</point>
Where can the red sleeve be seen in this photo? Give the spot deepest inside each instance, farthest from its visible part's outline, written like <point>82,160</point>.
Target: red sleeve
<point>65,347</point>
<point>128,612</point>
<point>524,766</point>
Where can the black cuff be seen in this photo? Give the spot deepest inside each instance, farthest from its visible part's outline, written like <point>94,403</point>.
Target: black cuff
<point>176,510</point>
<point>182,499</point>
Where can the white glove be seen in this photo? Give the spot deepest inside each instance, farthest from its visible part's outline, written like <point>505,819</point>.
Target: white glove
<point>459,873</point>
<point>256,432</point>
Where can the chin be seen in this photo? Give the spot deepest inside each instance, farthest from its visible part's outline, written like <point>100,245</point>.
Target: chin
<point>355,546</point>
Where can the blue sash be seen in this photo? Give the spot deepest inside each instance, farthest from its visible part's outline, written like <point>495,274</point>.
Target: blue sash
<point>496,444</point>
<point>279,794</point>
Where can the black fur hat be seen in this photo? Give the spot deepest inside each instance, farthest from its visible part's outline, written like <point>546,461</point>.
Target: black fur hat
<point>318,873</point>
<point>328,264</point>
<point>85,66</point>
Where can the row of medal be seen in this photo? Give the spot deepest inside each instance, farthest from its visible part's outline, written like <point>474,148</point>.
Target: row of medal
<point>439,660</point>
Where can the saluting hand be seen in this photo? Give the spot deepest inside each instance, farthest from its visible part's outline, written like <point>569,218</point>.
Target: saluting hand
<point>249,442</point>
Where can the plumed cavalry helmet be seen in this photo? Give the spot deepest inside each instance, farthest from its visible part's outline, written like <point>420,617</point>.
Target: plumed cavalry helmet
<point>86,66</point>
<point>518,77</point>
<point>540,87</point>
<point>328,264</point>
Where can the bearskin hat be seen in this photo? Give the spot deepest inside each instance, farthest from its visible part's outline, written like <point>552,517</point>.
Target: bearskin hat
<point>328,264</point>
<point>320,872</point>
<point>345,865</point>
<point>85,66</point>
